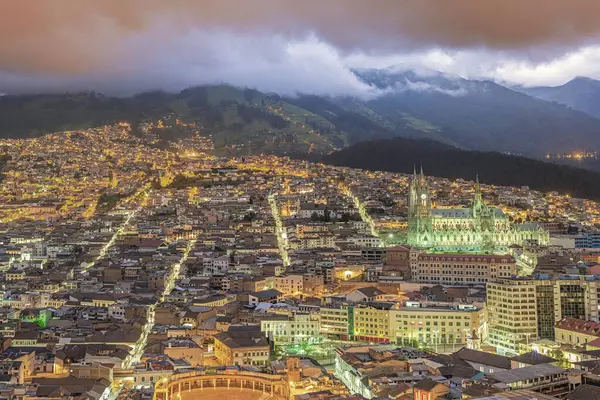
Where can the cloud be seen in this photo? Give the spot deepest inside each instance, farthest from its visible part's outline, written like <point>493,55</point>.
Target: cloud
<point>508,67</point>
<point>428,87</point>
<point>75,36</point>
<point>267,63</point>
<point>123,46</point>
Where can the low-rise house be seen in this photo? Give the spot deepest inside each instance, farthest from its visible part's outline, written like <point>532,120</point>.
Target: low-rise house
<point>537,377</point>
<point>265,296</point>
<point>242,345</point>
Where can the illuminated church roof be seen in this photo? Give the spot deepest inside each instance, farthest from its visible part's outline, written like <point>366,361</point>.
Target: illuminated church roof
<point>461,213</point>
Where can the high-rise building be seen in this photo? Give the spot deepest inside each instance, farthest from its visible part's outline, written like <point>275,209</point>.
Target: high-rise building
<point>477,228</point>
<point>526,309</point>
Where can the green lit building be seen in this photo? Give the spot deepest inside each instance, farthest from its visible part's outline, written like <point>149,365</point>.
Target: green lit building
<point>39,316</point>
<point>478,228</point>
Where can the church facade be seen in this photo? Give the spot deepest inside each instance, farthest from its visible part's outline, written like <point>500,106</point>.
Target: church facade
<point>479,228</point>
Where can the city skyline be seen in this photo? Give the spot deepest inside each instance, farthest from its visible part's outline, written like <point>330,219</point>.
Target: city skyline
<point>207,199</point>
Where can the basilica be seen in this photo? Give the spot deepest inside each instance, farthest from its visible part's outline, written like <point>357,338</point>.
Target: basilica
<point>479,228</point>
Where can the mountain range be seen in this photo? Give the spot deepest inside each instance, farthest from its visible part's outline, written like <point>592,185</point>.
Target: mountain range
<point>581,94</point>
<point>466,114</point>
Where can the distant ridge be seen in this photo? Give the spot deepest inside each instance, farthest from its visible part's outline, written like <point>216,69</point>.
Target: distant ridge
<point>468,114</point>
<point>580,93</point>
<point>400,155</point>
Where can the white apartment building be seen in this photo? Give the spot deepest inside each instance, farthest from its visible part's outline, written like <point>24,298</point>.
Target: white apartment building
<point>298,329</point>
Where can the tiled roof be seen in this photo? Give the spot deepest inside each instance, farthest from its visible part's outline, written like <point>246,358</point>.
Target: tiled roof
<point>580,326</point>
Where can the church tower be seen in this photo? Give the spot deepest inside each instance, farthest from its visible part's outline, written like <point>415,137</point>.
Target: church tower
<point>419,208</point>
<point>419,201</point>
<point>478,205</point>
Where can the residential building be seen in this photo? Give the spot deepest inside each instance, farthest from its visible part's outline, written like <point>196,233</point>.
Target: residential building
<point>589,240</point>
<point>299,328</point>
<point>366,294</point>
<point>264,296</point>
<point>296,285</point>
<point>576,332</point>
<point>242,345</point>
<point>442,326</point>
<point>461,269</point>
<point>537,377</point>
<point>337,322</point>
<point>428,389</point>
<point>372,322</point>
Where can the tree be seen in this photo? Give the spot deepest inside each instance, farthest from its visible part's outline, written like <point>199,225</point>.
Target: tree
<point>561,359</point>
<point>250,216</point>
<point>326,215</point>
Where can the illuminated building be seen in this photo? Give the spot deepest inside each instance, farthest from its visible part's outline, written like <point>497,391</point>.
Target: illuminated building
<point>447,326</point>
<point>242,345</point>
<point>475,229</point>
<point>444,327</point>
<point>461,269</point>
<point>336,322</point>
<point>372,322</point>
<point>300,328</point>
<point>523,310</point>
<point>295,285</point>
<point>576,332</point>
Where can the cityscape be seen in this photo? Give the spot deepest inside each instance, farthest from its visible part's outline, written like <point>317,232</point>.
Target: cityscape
<point>299,200</point>
<point>134,270</point>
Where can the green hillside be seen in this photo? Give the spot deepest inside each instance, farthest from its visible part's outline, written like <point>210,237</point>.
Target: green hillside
<point>466,114</point>
<point>238,120</point>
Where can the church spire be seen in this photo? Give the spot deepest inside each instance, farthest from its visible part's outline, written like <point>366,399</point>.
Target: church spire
<point>477,189</point>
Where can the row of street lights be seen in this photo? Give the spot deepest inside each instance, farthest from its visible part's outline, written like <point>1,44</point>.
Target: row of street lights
<point>280,233</point>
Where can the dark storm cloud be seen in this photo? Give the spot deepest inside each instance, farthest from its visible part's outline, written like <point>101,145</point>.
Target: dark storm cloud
<point>123,46</point>
<point>72,36</point>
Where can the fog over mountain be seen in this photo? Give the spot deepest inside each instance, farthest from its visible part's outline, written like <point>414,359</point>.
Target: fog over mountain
<point>121,47</point>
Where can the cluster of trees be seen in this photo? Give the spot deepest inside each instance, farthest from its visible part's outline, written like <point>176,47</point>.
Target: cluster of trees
<point>326,217</point>
<point>249,216</point>
<point>182,182</point>
<point>107,202</point>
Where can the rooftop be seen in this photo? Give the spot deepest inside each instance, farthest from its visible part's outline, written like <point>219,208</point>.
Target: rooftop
<point>527,373</point>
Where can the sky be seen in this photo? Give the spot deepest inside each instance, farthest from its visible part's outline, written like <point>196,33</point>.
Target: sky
<point>122,47</point>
